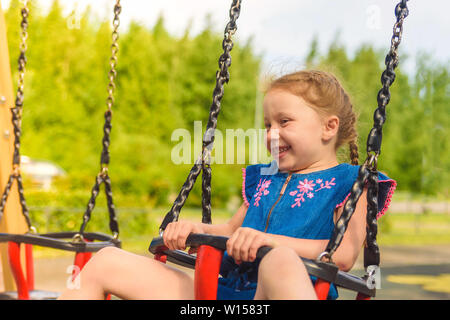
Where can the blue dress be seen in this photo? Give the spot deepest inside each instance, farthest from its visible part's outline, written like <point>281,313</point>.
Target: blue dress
<point>304,210</point>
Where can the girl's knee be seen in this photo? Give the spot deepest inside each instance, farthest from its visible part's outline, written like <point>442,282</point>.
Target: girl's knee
<point>282,275</point>
<point>279,258</point>
<point>104,256</point>
<point>101,260</point>
<point>107,253</point>
<point>282,260</point>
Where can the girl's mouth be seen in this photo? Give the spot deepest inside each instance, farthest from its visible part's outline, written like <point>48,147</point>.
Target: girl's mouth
<point>282,151</point>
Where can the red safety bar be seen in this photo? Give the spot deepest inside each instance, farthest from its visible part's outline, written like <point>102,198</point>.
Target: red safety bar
<point>29,265</point>
<point>207,267</point>
<point>362,296</point>
<point>22,283</point>
<point>322,288</point>
<point>161,257</point>
<point>26,284</point>
<point>81,258</point>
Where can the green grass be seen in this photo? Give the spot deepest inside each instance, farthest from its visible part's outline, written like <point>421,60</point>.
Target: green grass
<point>414,229</point>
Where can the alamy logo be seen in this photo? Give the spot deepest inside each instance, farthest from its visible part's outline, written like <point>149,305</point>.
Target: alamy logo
<point>374,277</point>
<point>235,146</point>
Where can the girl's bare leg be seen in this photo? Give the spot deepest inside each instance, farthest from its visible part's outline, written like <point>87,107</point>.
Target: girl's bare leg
<point>129,276</point>
<point>282,275</point>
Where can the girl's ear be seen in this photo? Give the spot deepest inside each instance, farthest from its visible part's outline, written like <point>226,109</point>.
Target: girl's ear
<point>331,127</point>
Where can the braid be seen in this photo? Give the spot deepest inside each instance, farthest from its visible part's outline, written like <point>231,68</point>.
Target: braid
<point>353,142</point>
<point>353,146</point>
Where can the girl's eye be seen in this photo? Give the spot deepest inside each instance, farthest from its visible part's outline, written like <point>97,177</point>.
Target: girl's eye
<point>284,121</point>
<point>267,125</point>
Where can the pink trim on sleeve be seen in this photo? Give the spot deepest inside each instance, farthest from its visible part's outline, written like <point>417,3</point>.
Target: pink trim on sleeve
<point>387,202</point>
<point>343,202</point>
<point>243,188</point>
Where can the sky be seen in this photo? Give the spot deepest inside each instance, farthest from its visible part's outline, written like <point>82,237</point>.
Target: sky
<point>282,30</point>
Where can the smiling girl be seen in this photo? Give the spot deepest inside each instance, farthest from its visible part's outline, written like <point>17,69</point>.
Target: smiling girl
<point>308,116</point>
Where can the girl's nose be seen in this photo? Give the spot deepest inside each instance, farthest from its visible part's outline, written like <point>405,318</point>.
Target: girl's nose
<point>272,138</point>
<point>273,133</point>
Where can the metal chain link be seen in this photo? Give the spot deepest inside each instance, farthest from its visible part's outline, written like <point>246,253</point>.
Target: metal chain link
<point>103,176</point>
<point>222,77</point>
<point>6,194</point>
<point>22,61</point>
<point>112,74</point>
<point>17,122</point>
<point>371,250</point>
<point>373,150</point>
<point>113,59</point>
<point>203,162</point>
<point>387,79</point>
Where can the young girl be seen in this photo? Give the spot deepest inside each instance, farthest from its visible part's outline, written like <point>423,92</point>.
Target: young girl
<point>308,116</point>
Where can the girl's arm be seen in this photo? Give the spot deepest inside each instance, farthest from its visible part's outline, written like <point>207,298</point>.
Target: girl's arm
<point>245,242</point>
<point>176,233</point>
<point>348,251</point>
<point>228,228</point>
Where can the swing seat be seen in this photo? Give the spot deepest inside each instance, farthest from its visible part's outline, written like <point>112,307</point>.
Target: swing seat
<point>90,242</point>
<point>209,257</point>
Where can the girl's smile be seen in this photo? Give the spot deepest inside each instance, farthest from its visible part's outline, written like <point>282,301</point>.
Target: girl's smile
<point>295,133</point>
<point>282,151</point>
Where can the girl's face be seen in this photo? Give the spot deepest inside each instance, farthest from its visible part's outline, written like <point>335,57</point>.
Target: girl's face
<point>294,131</point>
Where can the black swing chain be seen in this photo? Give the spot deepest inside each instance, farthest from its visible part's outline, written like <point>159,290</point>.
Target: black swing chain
<point>371,249</point>
<point>203,162</point>
<point>103,176</point>
<point>17,123</point>
<point>368,171</point>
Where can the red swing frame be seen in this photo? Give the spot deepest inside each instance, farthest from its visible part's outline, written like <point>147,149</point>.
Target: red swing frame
<point>25,280</point>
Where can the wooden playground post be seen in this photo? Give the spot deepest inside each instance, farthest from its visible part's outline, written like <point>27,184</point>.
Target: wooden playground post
<point>12,220</point>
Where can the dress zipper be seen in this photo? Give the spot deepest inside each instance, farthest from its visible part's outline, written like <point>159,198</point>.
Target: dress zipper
<point>279,197</point>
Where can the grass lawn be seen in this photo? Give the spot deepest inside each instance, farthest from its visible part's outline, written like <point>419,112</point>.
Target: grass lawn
<point>414,229</point>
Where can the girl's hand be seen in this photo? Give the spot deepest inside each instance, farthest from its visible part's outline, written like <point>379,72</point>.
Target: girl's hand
<point>176,233</point>
<point>245,242</point>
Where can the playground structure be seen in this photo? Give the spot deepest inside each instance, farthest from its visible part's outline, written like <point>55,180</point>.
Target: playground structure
<point>16,228</point>
<point>12,221</point>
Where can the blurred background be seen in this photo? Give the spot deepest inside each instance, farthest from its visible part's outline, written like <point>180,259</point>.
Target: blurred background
<point>168,52</point>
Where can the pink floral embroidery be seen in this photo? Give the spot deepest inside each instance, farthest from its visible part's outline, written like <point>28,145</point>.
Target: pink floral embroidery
<point>261,190</point>
<point>327,184</point>
<point>307,187</point>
